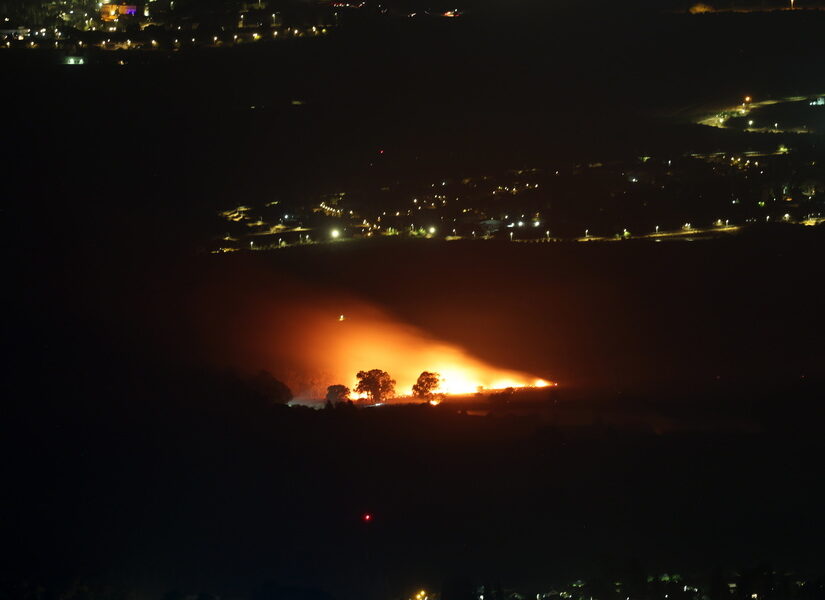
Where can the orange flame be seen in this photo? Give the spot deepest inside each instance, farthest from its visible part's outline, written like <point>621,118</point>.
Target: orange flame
<point>405,352</point>
<point>311,340</point>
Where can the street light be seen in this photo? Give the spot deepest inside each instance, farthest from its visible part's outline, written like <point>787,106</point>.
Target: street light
<point>335,234</point>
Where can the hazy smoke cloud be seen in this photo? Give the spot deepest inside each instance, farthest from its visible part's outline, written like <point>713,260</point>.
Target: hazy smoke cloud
<point>298,334</point>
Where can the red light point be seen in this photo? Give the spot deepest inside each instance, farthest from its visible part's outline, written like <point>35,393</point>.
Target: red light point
<point>367,517</point>
<point>380,152</point>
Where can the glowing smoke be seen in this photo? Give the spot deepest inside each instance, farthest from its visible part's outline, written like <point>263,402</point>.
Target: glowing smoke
<point>303,340</point>
<point>369,339</point>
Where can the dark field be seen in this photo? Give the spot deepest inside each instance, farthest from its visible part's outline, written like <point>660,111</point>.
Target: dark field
<point>138,462</point>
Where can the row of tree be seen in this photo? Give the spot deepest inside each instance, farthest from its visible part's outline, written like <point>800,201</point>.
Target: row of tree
<point>377,386</point>
<point>374,386</point>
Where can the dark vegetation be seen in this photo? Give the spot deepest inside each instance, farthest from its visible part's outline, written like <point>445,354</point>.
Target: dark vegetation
<point>180,478</point>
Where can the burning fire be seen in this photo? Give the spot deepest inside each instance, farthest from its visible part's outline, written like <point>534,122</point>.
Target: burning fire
<point>405,352</point>
<point>309,342</point>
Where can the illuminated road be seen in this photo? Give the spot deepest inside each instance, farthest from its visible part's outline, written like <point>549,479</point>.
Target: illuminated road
<point>685,232</point>
<point>720,116</point>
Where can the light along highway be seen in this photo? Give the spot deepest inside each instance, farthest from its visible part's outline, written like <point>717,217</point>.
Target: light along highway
<point>719,117</point>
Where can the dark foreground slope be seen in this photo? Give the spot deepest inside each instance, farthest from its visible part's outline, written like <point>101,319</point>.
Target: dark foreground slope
<point>178,481</point>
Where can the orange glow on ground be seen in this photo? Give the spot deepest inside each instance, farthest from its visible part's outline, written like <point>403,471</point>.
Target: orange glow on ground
<point>460,373</point>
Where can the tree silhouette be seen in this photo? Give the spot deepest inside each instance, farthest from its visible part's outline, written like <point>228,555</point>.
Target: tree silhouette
<point>376,384</point>
<point>337,393</point>
<point>426,385</point>
<point>272,390</point>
